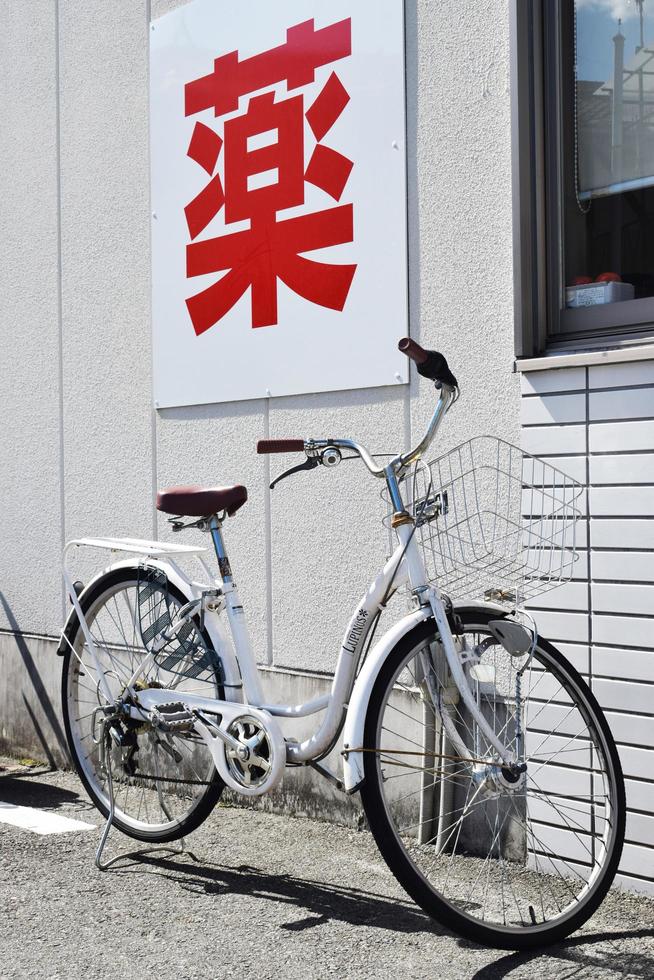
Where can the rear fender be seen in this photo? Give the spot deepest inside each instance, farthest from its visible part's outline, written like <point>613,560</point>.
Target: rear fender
<point>190,590</point>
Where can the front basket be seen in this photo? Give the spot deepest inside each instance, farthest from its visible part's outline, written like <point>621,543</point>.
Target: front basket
<point>493,522</point>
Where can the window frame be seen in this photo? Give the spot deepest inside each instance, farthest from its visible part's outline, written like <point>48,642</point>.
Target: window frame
<point>541,322</point>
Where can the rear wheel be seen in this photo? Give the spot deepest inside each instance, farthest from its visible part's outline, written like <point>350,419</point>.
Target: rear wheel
<point>506,858</point>
<point>165,785</point>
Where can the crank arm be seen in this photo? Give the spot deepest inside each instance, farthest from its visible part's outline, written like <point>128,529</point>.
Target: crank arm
<point>216,733</point>
<point>210,731</point>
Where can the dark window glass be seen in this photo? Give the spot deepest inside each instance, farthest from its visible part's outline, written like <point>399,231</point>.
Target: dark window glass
<point>599,144</point>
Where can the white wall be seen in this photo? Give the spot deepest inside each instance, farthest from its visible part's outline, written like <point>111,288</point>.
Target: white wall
<point>30,387</point>
<point>83,451</point>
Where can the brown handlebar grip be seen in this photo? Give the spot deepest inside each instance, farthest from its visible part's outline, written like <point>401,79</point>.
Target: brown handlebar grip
<point>280,446</point>
<point>412,350</point>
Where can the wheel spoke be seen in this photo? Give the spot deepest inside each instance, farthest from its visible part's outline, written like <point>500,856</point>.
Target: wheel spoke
<point>512,852</point>
<point>158,785</point>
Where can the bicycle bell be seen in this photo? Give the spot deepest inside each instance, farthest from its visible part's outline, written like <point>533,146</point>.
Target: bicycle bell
<point>331,456</point>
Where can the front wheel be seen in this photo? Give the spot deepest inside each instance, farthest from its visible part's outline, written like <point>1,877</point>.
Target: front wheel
<point>507,858</point>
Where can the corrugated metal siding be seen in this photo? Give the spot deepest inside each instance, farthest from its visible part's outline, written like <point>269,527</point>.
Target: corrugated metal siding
<point>597,425</point>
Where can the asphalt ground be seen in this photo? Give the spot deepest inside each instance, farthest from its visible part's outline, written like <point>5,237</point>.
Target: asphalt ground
<point>255,895</point>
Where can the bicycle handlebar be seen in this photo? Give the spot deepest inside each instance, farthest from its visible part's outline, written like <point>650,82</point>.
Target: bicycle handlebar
<point>430,364</point>
<point>280,446</point>
<point>413,350</point>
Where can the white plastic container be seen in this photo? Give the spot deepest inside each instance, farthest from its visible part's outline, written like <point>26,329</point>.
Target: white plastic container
<point>596,293</point>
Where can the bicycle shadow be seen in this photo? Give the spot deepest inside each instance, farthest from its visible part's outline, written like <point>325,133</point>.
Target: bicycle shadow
<point>322,902</point>
<point>583,954</point>
<point>39,692</point>
<point>24,789</point>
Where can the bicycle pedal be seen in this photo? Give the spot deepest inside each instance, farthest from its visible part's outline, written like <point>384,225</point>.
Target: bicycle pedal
<point>174,716</point>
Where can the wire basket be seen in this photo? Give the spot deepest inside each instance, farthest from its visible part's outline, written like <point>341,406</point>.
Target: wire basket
<point>493,522</point>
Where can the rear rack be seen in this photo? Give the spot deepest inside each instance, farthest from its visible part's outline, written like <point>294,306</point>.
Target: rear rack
<point>135,546</point>
<point>129,546</point>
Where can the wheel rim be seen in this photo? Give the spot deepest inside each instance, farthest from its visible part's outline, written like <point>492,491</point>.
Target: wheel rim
<point>167,776</point>
<point>512,858</point>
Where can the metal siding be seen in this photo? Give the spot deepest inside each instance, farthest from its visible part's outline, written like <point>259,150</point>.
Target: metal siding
<point>606,625</point>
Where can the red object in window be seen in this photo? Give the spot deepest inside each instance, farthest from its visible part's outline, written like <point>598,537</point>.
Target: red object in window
<point>609,277</point>
<point>265,173</point>
<point>582,280</point>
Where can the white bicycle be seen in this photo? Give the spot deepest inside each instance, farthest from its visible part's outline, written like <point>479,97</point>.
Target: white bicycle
<point>487,772</point>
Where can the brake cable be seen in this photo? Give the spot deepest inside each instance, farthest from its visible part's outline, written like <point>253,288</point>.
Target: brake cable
<point>311,462</point>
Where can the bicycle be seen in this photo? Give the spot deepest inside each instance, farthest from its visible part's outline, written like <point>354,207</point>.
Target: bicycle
<point>486,769</point>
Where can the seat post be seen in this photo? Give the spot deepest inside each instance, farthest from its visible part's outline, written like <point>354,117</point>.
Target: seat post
<point>215,526</point>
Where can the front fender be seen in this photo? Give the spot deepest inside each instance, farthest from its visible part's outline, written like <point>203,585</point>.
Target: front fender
<point>353,730</point>
<point>358,706</point>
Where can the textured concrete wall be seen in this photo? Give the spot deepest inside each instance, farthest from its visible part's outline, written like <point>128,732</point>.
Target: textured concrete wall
<point>30,413</point>
<point>31,722</point>
<point>83,451</point>
<point>105,263</point>
<point>80,97</point>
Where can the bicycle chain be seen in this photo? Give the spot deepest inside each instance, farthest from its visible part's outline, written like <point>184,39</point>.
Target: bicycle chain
<point>169,779</point>
<point>431,755</point>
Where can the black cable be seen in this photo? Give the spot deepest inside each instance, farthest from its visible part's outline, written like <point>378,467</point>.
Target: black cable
<point>373,455</point>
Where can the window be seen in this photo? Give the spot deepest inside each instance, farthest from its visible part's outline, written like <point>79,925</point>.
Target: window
<point>583,87</point>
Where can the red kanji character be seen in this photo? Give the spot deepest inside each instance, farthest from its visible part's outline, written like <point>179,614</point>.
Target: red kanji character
<point>205,149</point>
<point>285,155</point>
<point>271,248</point>
<point>295,62</point>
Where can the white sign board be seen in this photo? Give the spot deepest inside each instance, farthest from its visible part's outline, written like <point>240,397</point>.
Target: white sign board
<point>279,198</point>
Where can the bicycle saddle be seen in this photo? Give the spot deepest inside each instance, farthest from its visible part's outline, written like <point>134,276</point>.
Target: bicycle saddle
<point>201,501</point>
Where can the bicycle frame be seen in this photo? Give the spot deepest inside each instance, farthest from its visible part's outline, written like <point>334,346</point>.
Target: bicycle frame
<point>195,713</point>
<point>349,694</point>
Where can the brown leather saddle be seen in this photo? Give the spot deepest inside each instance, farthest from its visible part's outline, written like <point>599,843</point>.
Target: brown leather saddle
<point>201,501</point>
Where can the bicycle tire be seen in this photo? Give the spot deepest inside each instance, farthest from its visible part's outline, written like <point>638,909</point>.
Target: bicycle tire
<point>400,853</point>
<point>207,796</point>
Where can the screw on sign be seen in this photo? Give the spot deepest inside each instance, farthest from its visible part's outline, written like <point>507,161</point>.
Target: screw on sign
<point>271,249</point>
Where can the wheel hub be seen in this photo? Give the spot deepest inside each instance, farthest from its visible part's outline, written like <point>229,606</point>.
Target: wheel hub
<point>506,780</point>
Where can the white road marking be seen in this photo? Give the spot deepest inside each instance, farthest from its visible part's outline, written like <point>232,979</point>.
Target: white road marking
<point>39,821</point>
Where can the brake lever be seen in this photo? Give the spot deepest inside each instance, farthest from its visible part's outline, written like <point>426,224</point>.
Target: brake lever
<point>310,463</point>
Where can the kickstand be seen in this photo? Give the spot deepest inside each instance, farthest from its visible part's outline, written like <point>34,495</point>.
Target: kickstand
<point>177,848</point>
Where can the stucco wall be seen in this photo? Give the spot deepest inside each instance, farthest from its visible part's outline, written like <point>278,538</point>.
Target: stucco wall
<point>83,450</point>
